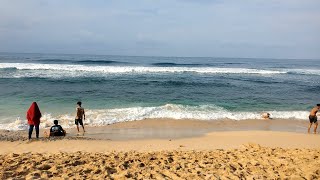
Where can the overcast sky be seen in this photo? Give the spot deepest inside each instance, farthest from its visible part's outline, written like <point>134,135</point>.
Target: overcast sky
<point>216,28</point>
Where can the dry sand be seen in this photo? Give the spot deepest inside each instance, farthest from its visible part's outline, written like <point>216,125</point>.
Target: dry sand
<point>249,154</point>
<point>247,162</point>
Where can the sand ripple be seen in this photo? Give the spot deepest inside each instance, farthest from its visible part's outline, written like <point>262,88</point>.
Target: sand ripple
<point>249,162</point>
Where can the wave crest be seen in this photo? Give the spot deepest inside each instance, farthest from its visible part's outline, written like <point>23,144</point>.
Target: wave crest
<point>173,111</point>
<point>67,70</point>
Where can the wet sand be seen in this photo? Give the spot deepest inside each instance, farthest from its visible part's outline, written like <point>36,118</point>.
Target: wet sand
<point>175,129</point>
<point>169,128</point>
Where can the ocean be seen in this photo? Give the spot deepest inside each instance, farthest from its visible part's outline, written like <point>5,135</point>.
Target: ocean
<point>125,88</point>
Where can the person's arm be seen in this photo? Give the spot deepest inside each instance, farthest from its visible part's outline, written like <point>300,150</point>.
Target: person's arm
<point>77,113</point>
<point>50,132</point>
<point>84,115</point>
<point>60,127</point>
<point>62,130</point>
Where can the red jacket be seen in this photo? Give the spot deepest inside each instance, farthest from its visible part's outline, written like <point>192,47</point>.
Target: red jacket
<point>34,114</point>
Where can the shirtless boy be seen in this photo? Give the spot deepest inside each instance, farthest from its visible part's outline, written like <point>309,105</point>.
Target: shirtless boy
<point>79,116</point>
<point>313,118</point>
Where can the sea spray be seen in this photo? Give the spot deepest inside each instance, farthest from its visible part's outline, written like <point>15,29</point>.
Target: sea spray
<point>101,117</point>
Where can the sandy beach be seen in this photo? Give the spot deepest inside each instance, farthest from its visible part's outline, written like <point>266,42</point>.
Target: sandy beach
<point>195,151</point>
<point>184,89</point>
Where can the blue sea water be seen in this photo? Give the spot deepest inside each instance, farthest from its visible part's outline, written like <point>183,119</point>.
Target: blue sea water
<point>124,88</point>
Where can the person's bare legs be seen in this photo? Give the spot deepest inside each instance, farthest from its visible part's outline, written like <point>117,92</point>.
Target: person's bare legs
<point>315,128</point>
<point>78,128</point>
<point>308,127</point>
<point>82,128</point>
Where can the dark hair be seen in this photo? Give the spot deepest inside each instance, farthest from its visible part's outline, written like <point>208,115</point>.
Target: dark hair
<point>55,122</point>
<point>79,103</point>
<point>318,104</point>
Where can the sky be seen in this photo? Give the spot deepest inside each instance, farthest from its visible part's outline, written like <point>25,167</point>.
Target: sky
<point>200,28</point>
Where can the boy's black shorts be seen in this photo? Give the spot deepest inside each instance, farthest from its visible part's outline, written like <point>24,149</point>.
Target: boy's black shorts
<point>313,119</point>
<point>78,121</point>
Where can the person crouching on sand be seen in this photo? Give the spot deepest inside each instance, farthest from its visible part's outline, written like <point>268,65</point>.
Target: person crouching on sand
<point>79,115</point>
<point>57,130</point>
<point>313,118</point>
<point>33,116</point>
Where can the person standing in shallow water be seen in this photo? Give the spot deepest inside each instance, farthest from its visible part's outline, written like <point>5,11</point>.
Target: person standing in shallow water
<point>33,116</point>
<point>80,116</point>
<point>313,118</point>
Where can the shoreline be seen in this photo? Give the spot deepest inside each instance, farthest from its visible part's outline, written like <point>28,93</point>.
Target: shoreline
<point>167,129</point>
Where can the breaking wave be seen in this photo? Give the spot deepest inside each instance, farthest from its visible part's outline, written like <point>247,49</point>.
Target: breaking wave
<point>173,111</point>
<point>67,70</point>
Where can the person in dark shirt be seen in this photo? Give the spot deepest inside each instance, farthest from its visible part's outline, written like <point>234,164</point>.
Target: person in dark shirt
<point>57,130</point>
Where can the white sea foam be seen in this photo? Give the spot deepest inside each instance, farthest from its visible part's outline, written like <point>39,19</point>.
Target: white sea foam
<point>72,70</point>
<point>110,116</point>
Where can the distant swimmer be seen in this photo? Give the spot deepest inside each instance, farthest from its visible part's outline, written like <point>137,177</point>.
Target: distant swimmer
<point>265,115</point>
<point>313,118</point>
<point>80,116</point>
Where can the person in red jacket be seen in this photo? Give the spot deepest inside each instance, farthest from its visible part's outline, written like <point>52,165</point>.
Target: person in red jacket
<point>33,116</point>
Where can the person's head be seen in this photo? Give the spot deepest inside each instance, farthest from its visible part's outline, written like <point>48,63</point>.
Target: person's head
<point>265,115</point>
<point>318,105</point>
<point>55,122</point>
<point>79,103</point>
